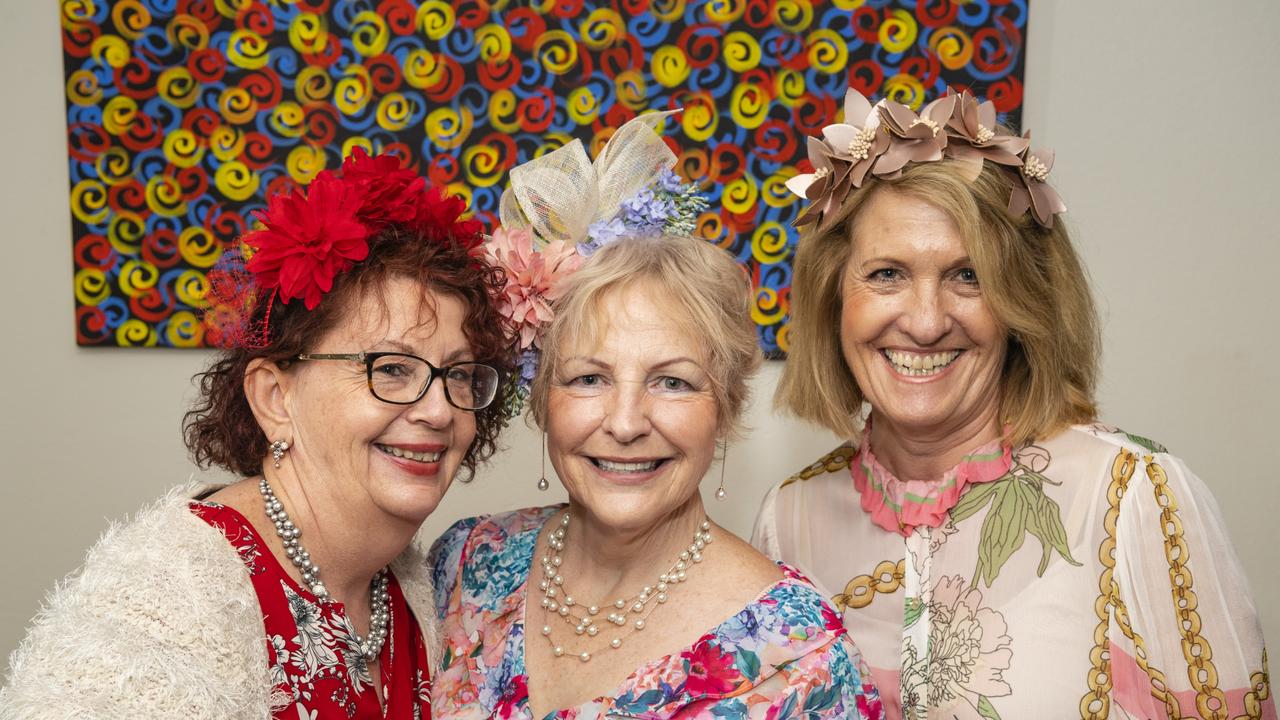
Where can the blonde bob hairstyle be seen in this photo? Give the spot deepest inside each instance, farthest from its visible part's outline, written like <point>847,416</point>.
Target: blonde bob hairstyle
<point>1031,279</point>
<point>704,293</point>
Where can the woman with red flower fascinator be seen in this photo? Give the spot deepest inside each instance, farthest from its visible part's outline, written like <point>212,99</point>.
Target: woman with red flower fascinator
<point>364,355</point>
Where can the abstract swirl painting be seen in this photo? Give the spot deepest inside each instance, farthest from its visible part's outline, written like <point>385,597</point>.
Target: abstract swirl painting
<point>183,115</point>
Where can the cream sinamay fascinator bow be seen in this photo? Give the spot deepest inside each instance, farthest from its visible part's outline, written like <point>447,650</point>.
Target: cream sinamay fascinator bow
<point>561,207</point>
<point>881,140</point>
<point>560,195</point>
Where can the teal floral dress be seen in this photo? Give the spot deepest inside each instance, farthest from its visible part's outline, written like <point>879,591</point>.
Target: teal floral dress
<point>785,655</point>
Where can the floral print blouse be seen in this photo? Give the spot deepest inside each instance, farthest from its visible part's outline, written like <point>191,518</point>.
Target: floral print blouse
<point>785,655</point>
<point>312,649</point>
<point>1091,577</point>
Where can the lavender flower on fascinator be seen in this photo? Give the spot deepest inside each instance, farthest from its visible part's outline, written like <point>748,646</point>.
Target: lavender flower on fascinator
<point>1035,192</point>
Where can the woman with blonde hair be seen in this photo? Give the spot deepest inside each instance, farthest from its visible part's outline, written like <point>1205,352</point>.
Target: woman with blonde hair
<point>995,549</point>
<point>629,601</point>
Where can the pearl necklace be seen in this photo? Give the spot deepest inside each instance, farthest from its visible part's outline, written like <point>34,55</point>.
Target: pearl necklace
<point>379,604</point>
<point>558,602</point>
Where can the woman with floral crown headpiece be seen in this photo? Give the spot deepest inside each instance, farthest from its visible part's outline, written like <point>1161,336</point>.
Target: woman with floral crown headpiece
<point>628,601</point>
<point>362,363</point>
<point>996,550</point>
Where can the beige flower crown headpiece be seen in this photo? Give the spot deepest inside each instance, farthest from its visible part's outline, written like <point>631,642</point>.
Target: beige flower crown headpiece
<point>880,140</point>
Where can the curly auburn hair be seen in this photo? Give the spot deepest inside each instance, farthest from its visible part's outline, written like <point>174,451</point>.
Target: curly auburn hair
<point>221,430</point>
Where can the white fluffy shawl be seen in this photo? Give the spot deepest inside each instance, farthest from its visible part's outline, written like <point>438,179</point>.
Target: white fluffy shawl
<point>161,622</point>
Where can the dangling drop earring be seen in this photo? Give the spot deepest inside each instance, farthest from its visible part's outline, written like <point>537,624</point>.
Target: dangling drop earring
<point>278,449</point>
<point>724,459</point>
<point>542,479</point>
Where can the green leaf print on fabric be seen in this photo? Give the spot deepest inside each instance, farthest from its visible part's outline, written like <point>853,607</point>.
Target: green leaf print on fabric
<point>915,607</point>
<point>986,710</point>
<point>1017,506</point>
<point>1150,445</point>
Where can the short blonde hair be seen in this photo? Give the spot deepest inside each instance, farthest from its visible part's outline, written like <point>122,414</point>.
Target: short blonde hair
<point>1031,278</point>
<point>709,297</point>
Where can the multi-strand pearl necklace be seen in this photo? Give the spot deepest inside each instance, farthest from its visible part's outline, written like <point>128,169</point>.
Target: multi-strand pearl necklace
<point>379,606</point>
<point>557,601</point>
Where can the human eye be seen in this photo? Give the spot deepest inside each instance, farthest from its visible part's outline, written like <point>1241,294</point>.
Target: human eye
<point>968,276</point>
<point>884,275</point>
<point>670,383</point>
<point>589,380</point>
<point>392,368</point>
<point>459,373</point>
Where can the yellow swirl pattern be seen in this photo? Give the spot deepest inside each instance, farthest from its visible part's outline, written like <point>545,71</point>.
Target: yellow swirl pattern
<point>76,12</point>
<point>700,121</point>
<point>236,181</point>
<point>304,163</point>
<point>313,85</point>
<point>125,232</point>
<point>184,330</point>
<point>953,47</point>
<point>178,87</point>
<point>164,196</point>
<point>668,10</point>
<point>114,166</point>
<point>769,243</point>
<point>557,51</point>
<point>237,106</point>
<point>767,310</point>
<point>309,34</point>
<point>774,192</point>
<point>602,28</point>
<point>494,42</point>
<point>248,50</point>
<point>670,66</point>
<point>112,50</point>
<point>135,333</point>
<point>89,201</point>
<point>192,287</point>
<point>905,89</point>
<point>353,91</point>
<point>502,111</point>
<point>118,115</point>
<point>828,52</point>
<point>448,128</point>
<point>749,105</point>
<point>369,33</point>
<point>633,91</point>
<point>421,69</point>
<point>288,120</point>
<point>83,88</point>
<point>741,51</point>
<point>789,86</point>
<point>91,286</point>
<point>793,16</point>
<point>137,277</point>
<point>130,18</point>
<point>482,165</point>
<point>395,110</point>
<point>898,32</point>
<point>183,148</point>
<point>435,19</point>
<point>583,106</point>
<point>188,32</point>
<point>740,195</point>
<point>725,11</point>
<point>226,142</point>
<point>198,247</point>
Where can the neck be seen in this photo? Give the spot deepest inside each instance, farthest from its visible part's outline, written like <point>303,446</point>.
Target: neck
<point>914,454</point>
<point>347,537</point>
<point>605,561</point>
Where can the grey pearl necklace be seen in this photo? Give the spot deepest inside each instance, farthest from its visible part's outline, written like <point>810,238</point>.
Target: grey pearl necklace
<point>558,602</point>
<point>379,606</point>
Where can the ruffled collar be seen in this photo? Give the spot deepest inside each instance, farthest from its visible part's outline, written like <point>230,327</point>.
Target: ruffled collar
<point>902,506</point>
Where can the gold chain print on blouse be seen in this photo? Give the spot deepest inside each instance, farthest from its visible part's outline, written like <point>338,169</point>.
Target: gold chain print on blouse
<point>1210,701</point>
<point>861,590</point>
<point>833,461</point>
<point>1096,704</point>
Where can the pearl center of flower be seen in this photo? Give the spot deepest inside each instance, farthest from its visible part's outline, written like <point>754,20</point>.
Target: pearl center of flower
<point>821,173</point>
<point>928,123</point>
<point>1035,169</point>
<point>985,134</point>
<point>860,146</point>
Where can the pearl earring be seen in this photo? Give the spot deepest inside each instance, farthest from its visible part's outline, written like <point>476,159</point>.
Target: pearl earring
<point>542,479</point>
<point>278,449</point>
<point>724,459</point>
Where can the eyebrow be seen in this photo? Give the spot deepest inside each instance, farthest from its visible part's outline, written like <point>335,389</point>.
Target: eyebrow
<point>459,355</point>
<point>658,366</point>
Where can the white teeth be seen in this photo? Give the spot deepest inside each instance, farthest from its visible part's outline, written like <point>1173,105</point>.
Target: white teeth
<point>627,467</point>
<point>410,455</point>
<point>916,364</point>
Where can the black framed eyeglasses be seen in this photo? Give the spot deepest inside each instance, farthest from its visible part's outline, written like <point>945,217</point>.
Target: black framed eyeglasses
<point>402,379</point>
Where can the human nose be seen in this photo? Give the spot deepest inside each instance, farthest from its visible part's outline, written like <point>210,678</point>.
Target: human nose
<point>927,319</point>
<point>626,410</point>
<point>433,407</point>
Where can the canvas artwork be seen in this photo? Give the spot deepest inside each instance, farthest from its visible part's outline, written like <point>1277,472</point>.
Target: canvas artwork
<point>183,115</point>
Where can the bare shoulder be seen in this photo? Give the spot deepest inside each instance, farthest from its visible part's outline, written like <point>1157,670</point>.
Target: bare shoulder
<point>739,571</point>
<point>242,496</point>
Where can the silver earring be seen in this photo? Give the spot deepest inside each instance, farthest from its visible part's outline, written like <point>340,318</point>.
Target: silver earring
<point>542,479</point>
<point>278,449</point>
<point>724,459</point>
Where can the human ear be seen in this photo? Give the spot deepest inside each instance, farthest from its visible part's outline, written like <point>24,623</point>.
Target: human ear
<point>266,386</point>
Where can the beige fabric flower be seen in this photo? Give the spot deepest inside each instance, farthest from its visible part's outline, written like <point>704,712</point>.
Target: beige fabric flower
<point>975,136</point>
<point>1033,192</point>
<point>912,137</point>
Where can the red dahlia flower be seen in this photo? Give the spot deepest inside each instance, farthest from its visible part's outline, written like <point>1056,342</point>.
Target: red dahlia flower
<point>308,239</point>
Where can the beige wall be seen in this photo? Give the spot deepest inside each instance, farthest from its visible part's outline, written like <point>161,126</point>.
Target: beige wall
<point>1164,122</point>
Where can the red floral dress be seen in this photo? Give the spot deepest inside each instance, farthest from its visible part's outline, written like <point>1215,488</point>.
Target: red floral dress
<point>311,645</point>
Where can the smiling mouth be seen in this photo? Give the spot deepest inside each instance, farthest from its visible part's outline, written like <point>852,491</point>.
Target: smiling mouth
<point>423,457</point>
<point>920,364</point>
<point>626,467</point>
